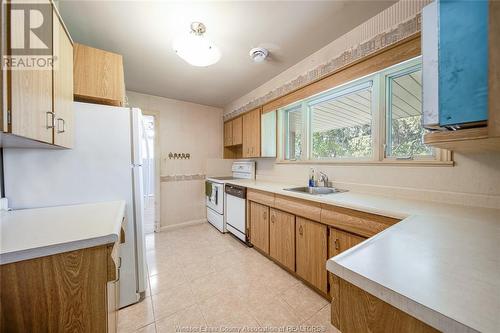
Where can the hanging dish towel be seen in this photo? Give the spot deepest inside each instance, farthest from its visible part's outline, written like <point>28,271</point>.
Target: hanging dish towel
<point>208,189</point>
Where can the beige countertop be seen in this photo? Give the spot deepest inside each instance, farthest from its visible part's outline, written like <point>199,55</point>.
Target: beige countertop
<point>440,264</point>
<point>33,233</point>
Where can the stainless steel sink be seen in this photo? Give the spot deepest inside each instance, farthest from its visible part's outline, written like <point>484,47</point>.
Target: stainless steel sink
<point>315,190</point>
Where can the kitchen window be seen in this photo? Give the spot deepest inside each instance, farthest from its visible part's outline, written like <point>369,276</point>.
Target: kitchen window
<point>294,124</point>
<point>341,123</point>
<point>405,134</point>
<point>374,119</point>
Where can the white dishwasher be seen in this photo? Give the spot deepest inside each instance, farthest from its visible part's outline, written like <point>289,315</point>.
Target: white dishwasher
<point>236,210</point>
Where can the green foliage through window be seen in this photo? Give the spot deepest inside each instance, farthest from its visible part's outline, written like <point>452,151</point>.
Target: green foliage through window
<point>405,134</point>
<point>339,123</point>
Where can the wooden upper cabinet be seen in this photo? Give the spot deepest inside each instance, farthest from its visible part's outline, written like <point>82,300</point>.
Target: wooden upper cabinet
<point>228,133</point>
<point>98,76</point>
<point>311,253</point>
<point>233,132</point>
<point>259,226</point>
<point>63,87</point>
<point>251,134</point>
<point>40,101</point>
<point>237,131</point>
<point>30,107</point>
<point>282,238</point>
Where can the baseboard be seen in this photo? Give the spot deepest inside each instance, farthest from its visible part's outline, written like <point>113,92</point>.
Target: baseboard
<point>182,225</point>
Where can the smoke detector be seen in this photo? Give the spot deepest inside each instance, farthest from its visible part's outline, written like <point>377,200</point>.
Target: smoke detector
<point>258,54</point>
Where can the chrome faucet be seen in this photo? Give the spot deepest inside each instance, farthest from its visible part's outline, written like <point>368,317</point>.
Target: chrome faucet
<point>323,178</point>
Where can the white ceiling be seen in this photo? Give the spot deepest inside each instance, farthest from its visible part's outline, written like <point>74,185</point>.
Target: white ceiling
<point>143,32</point>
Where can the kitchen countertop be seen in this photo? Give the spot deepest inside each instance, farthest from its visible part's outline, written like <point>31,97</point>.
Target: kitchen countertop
<point>440,264</point>
<point>32,233</point>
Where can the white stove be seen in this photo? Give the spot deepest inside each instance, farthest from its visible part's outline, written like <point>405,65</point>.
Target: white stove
<point>215,196</point>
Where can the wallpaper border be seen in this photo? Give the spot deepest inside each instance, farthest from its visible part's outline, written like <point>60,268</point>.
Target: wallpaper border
<point>379,42</point>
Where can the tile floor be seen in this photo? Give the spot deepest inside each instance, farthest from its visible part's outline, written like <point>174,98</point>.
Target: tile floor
<point>200,279</point>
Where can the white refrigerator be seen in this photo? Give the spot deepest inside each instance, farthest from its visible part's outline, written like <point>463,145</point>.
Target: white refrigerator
<point>105,164</point>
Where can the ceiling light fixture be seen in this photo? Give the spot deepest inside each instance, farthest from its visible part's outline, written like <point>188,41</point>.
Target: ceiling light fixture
<point>259,54</point>
<point>195,48</point>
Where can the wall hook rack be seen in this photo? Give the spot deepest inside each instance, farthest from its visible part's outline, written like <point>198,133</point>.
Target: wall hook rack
<point>177,156</point>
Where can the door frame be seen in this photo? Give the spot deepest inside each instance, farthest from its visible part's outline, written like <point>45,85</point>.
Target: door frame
<point>157,150</point>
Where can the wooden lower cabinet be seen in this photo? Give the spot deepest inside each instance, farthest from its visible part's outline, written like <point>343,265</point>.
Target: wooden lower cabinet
<point>339,241</point>
<point>359,311</point>
<point>66,292</point>
<point>311,253</point>
<point>259,226</point>
<point>282,238</point>
<point>113,301</point>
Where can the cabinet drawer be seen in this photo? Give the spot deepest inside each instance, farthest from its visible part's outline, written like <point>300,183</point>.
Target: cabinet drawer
<point>360,223</point>
<point>264,198</point>
<point>307,209</point>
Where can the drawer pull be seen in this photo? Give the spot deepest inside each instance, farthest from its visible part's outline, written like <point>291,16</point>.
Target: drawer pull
<point>301,230</point>
<point>337,244</point>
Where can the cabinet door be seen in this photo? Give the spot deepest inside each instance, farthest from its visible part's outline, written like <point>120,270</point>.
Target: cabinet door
<point>268,134</point>
<point>237,131</point>
<point>63,87</point>
<point>228,134</point>
<point>30,95</point>
<point>339,241</point>
<point>98,76</point>
<point>311,252</point>
<point>259,226</point>
<point>251,134</point>
<point>282,238</point>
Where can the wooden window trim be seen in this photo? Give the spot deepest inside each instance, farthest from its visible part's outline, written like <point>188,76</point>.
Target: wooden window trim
<point>404,50</point>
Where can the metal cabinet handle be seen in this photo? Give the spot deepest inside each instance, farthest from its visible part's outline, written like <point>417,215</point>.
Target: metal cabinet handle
<point>51,119</point>
<point>63,122</point>
<point>301,230</point>
<point>272,218</point>
<point>264,215</point>
<point>337,244</point>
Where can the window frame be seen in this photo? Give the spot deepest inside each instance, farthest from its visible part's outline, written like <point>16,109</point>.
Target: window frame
<point>339,91</point>
<point>298,106</point>
<point>393,72</point>
<point>379,133</point>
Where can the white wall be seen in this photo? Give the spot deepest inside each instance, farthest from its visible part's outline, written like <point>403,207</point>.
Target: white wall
<point>474,180</point>
<point>184,128</point>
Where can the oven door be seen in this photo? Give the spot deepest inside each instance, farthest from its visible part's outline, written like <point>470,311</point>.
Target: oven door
<point>216,200</point>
